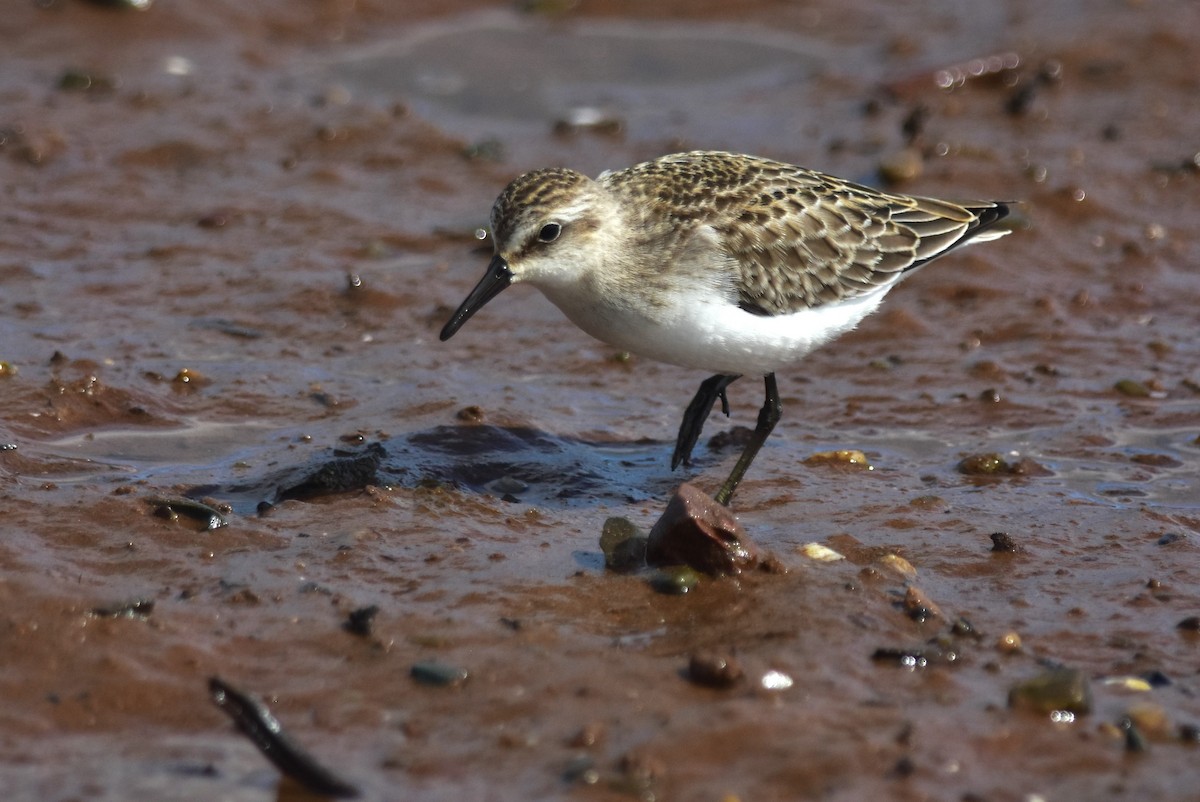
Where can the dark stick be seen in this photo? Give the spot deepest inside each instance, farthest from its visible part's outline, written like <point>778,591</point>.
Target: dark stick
<point>255,721</point>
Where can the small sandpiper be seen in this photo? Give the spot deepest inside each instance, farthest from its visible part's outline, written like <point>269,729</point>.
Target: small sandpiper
<point>726,263</point>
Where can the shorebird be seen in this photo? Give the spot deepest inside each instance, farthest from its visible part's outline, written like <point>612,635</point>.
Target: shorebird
<point>732,264</point>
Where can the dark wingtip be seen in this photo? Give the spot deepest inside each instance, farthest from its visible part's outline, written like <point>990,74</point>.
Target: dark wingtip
<point>992,214</point>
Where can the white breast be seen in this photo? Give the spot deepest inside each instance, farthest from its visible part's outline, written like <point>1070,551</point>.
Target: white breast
<point>704,331</point>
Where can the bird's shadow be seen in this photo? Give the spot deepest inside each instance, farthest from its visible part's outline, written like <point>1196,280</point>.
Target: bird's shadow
<point>531,465</point>
<point>518,464</point>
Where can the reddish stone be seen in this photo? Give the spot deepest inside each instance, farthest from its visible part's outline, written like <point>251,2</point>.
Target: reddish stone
<point>697,531</point>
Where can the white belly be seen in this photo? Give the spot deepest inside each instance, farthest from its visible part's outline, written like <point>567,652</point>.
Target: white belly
<point>710,334</point>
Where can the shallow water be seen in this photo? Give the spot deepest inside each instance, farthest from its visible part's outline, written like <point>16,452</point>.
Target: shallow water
<point>224,264</point>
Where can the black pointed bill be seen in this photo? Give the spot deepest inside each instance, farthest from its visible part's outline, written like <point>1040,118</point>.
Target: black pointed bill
<point>497,277</point>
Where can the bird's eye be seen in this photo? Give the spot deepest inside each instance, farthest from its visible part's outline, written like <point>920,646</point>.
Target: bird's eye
<point>549,232</point>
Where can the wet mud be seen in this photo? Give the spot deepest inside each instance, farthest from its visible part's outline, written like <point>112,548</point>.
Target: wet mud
<point>230,235</point>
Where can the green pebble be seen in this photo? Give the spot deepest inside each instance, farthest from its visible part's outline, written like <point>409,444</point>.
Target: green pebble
<point>675,580</point>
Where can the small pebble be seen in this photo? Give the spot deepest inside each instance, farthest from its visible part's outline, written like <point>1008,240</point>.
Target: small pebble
<point>1132,389</point>
<point>581,769</point>
<point>897,565</point>
<point>136,5</point>
<point>138,608</point>
<point>431,672</point>
<point>905,767</point>
<point>1059,689</point>
<point>983,465</point>
<point>1009,643</point>
<point>776,681</point>
<point>216,219</point>
<point>918,657</point>
<point>623,544</point>
<point>918,607</point>
<point>844,457</point>
<point>79,80</point>
<point>640,774</point>
<point>1151,719</point>
<point>1131,684</point>
<point>359,621</point>
<point>588,736</point>
<point>1156,679</point>
<point>996,465</point>
<point>714,670</point>
<point>822,554</point>
<point>1002,542</point>
<point>472,414</point>
<point>675,580</point>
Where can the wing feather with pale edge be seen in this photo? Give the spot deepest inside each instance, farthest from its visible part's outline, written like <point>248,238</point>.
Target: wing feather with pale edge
<point>827,240</point>
<point>798,238</point>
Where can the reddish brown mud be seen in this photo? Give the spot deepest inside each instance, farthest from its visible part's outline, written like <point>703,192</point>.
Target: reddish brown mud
<point>230,233</point>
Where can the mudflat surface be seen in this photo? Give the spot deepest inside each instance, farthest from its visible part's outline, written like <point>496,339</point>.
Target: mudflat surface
<point>230,233</point>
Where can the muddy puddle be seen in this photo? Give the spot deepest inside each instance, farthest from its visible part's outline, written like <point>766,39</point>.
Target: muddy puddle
<point>230,236</point>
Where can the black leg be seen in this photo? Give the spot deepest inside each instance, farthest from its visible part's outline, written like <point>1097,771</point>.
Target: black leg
<point>696,413</point>
<point>768,416</point>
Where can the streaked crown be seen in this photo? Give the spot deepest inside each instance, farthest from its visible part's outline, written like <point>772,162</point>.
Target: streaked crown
<point>525,202</point>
